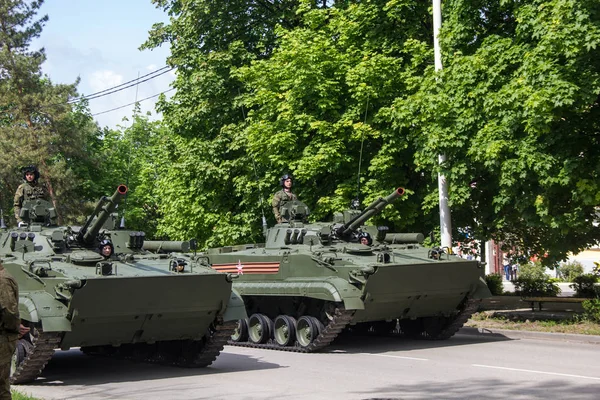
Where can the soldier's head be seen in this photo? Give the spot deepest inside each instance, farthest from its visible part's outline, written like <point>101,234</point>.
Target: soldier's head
<point>286,181</point>
<point>365,238</point>
<point>106,248</point>
<point>30,173</point>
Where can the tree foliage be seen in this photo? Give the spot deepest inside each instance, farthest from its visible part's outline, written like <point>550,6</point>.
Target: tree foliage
<point>235,141</point>
<point>37,125</point>
<point>516,112</point>
<point>321,88</point>
<point>208,188</point>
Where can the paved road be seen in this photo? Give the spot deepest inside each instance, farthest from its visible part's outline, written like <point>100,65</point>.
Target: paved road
<point>464,367</point>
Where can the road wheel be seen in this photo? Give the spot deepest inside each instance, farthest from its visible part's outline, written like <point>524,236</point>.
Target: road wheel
<point>259,328</point>
<point>285,330</point>
<point>307,330</point>
<point>240,334</point>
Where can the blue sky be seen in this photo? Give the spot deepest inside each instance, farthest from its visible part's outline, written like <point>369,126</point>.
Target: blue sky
<point>98,40</point>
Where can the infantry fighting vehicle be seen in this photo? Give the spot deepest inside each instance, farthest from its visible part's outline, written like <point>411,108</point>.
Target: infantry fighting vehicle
<point>157,306</point>
<point>310,281</point>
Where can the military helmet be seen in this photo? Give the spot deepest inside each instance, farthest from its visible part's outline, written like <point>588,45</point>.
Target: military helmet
<point>284,178</point>
<point>33,169</point>
<point>106,242</point>
<point>367,236</point>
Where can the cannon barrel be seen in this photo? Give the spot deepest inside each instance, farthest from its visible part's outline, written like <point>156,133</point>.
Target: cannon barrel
<point>102,211</point>
<point>166,245</point>
<point>373,209</point>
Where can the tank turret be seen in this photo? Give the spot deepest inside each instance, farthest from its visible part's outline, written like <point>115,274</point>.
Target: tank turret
<point>373,209</point>
<point>104,208</point>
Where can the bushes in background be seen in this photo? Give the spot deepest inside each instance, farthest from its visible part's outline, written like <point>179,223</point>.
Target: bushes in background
<point>494,283</point>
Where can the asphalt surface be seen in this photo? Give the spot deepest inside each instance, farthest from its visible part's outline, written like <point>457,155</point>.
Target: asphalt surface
<point>471,365</point>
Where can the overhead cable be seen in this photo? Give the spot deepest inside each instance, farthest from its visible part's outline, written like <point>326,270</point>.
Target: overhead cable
<point>117,88</point>
<point>130,104</point>
<point>102,93</point>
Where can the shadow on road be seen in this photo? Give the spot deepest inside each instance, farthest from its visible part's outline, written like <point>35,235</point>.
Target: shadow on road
<point>480,389</point>
<point>75,368</point>
<point>374,344</point>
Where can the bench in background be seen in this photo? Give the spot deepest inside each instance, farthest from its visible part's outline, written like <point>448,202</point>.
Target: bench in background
<point>541,300</point>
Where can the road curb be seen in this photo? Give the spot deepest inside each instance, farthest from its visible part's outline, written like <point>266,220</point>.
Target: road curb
<point>513,334</point>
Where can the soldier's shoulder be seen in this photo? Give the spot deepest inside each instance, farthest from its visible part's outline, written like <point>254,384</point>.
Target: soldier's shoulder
<point>5,274</point>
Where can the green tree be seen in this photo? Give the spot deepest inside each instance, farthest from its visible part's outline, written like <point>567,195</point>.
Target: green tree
<point>304,88</point>
<point>314,105</point>
<point>208,188</point>
<point>330,70</point>
<point>37,125</point>
<point>516,111</point>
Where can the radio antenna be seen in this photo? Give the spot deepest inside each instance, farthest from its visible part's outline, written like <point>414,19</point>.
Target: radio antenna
<point>356,201</point>
<point>260,196</point>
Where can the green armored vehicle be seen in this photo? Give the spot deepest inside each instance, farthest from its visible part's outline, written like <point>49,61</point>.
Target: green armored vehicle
<point>310,281</point>
<point>97,287</point>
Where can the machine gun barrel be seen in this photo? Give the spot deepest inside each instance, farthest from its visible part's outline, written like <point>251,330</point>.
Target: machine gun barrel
<point>102,211</point>
<point>373,209</point>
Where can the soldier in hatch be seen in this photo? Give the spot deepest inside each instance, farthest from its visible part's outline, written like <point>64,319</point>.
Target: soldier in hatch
<point>106,248</point>
<point>30,189</point>
<point>283,196</point>
<point>365,238</point>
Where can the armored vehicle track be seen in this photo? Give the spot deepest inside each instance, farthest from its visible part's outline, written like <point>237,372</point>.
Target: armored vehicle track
<point>32,355</point>
<point>289,337</point>
<point>178,353</point>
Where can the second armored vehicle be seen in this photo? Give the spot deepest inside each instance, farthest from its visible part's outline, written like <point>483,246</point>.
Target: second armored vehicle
<point>312,280</point>
<point>95,287</point>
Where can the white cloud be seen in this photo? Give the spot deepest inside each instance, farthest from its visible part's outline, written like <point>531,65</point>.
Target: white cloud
<point>100,80</point>
<point>105,54</point>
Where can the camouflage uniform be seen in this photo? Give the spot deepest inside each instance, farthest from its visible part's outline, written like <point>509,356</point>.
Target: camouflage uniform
<point>279,201</point>
<point>27,191</point>
<point>9,328</point>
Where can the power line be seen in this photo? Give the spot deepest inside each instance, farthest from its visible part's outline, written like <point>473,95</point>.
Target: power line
<point>117,90</point>
<point>118,86</point>
<point>130,104</point>
<point>104,92</point>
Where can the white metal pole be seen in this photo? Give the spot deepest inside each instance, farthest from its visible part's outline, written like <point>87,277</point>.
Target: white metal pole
<point>445,219</point>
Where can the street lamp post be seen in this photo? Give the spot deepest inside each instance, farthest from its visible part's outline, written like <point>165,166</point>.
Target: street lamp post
<point>445,219</point>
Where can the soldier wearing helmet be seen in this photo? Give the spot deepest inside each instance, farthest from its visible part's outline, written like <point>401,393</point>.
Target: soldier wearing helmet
<point>106,248</point>
<point>365,238</point>
<point>283,196</point>
<point>30,189</point>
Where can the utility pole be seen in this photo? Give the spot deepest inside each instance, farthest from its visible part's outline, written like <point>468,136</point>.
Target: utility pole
<point>445,219</point>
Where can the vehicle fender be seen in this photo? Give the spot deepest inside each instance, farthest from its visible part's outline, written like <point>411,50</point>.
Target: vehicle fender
<point>332,289</point>
<point>42,307</point>
<point>337,290</point>
<point>481,290</point>
<point>235,308</point>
